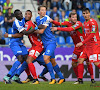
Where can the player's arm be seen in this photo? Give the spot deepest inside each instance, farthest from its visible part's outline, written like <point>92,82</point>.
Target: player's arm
<point>17,35</point>
<point>93,31</point>
<point>68,29</point>
<point>65,23</point>
<point>32,30</point>
<point>41,31</point>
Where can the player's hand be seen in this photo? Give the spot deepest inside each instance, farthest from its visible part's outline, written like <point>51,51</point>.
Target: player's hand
<point>6,35</point>
<point>53,28</point>
<point>51,20</point>
<point>79,44</point>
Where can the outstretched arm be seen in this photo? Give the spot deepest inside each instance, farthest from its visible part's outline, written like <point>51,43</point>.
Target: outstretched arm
<point>17,35</point>
<point>32,30</point>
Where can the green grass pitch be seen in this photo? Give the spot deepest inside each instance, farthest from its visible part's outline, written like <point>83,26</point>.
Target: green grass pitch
<point>45,86</point>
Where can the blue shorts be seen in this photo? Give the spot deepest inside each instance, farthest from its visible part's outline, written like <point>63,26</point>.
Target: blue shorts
<point>19,49</point>
<point>49,50</point>
<point>40,60</point>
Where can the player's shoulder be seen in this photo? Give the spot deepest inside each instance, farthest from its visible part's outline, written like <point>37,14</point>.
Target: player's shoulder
<point>46,17</point>
<point>93,21</point>
<point>38,17</point>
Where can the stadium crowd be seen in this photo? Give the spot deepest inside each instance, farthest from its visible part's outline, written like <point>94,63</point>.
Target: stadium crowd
<point>58,10</point>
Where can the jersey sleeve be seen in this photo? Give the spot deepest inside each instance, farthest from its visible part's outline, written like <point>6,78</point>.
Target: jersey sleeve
<point>19,27</point>
<point>65,23</point>
<point>46,21</point>
<point>27,26</point>
<point>93,26</point>
<point>72,28</point>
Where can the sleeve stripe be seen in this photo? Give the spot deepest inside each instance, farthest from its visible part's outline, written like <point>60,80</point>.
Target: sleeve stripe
<point>73,27</point>
<point>93,32</point>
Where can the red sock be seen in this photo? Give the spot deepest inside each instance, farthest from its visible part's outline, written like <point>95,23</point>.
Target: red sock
<point>76,71</point>
<point>32,70</point>
<point>98,66</point>
<point>27,71</point>
<point>90,69</point>
<point>80,71</point>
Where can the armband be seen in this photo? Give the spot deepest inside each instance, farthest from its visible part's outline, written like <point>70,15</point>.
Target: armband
<point>36,28</point>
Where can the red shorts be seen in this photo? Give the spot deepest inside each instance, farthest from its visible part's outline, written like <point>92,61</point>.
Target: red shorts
<point>35,51</point>
<point>93,54</point>
<point>76,53</point>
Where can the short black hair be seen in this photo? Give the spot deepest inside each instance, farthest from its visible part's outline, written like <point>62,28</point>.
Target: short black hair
<point>16,11</point>
<point>29,11</point>
<point>85,9</point>
<point>41,6</point>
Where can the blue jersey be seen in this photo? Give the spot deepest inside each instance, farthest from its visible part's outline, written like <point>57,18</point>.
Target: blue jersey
<point>18,26</point>
<point>47,37</point>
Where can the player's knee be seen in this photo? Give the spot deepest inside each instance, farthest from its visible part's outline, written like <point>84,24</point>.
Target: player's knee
<point>80,61</point>
<point>53,62</point>
<point>46,59</point>
<point>96,63</point>
<point>20,58</point>
<point>74,64</point>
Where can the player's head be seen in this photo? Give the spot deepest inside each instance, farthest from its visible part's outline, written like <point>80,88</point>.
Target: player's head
<point>73,17</point>
<point>42,11</point>
<point>18,14</point>
<point>28,15</point>
<point>86,13</point>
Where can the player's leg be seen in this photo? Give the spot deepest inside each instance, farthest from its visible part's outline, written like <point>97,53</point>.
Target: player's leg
<point>48,53</point>
<point>32,69</point>
<point>57,70</point>
<point>80,70</point>
<point>40,60</point>
<point>24,56</point>
<point>17,51</point>
<point>90,69</point>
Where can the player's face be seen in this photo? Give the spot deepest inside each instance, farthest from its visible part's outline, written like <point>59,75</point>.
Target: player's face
<point>86,15</point>
<point>73,18</point>
<point>28,15</point>
<point>19,15</point>
<point>42,11</point>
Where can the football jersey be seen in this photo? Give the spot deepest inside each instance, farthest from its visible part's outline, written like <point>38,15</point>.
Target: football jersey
<point>17,26</point>
<point>35,39</point>
<point>78,34</point>
<point>91,26</point>
<point>47,37</point>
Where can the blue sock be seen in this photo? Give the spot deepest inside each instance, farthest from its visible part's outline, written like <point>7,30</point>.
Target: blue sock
<point>13,73</point>
<point>44,71</point>
<point>14,67</point>
<point>50,69</point>
<point>22,68</point>
<point>58,72</point>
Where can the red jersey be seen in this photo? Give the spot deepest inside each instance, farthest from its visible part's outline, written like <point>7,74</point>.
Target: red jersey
<point>34,38</point>
<point>76,31</point>
<point>92,33</point>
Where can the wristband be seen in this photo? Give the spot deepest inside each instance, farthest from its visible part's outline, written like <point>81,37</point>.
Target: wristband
<point>36,28</point>
<point>9,35</point>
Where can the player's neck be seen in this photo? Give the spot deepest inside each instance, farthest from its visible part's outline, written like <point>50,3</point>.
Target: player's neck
<point>88,19</point>
<point>41,17</point>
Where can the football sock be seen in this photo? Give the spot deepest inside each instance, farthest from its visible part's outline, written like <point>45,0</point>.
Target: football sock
<point>22,68</point>
<point>58,72</point>
<point>50,69</point>
<point>76,71</point>
<point>32,70</point>
<point>14,67</point>
<point>44,71</point>
<point>98,66</point>
<point>90,69</point>
<point>80,70</point>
